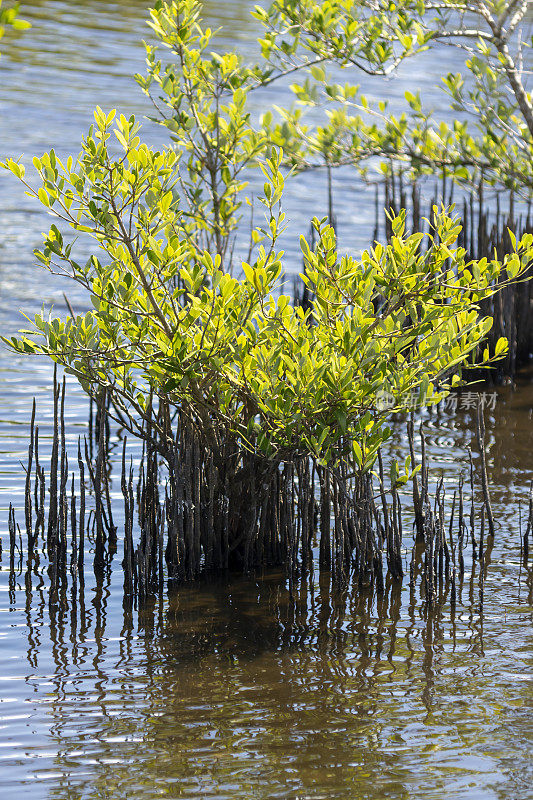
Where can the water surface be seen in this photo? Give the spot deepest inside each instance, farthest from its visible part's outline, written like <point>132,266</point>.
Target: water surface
<point>236,689</point>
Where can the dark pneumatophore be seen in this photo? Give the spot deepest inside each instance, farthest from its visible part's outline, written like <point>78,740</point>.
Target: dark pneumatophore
<point>486,229</point>
<point>189,510</point>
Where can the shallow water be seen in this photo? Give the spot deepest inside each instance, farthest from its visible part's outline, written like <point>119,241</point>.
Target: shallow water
<point>237,689</point>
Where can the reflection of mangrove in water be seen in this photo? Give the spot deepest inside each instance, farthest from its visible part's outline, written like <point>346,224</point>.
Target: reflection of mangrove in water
<point>249,688</point>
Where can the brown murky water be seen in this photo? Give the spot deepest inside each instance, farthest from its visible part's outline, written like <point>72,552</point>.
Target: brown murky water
<point>239,689</point>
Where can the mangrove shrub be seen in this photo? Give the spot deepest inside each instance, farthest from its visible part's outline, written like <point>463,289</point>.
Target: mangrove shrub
<point>228,380</point>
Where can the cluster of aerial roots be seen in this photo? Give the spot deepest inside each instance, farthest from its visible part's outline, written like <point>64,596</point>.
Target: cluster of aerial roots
<point>485,231</point>
<point>194,512</point>
<point>486,228</point>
